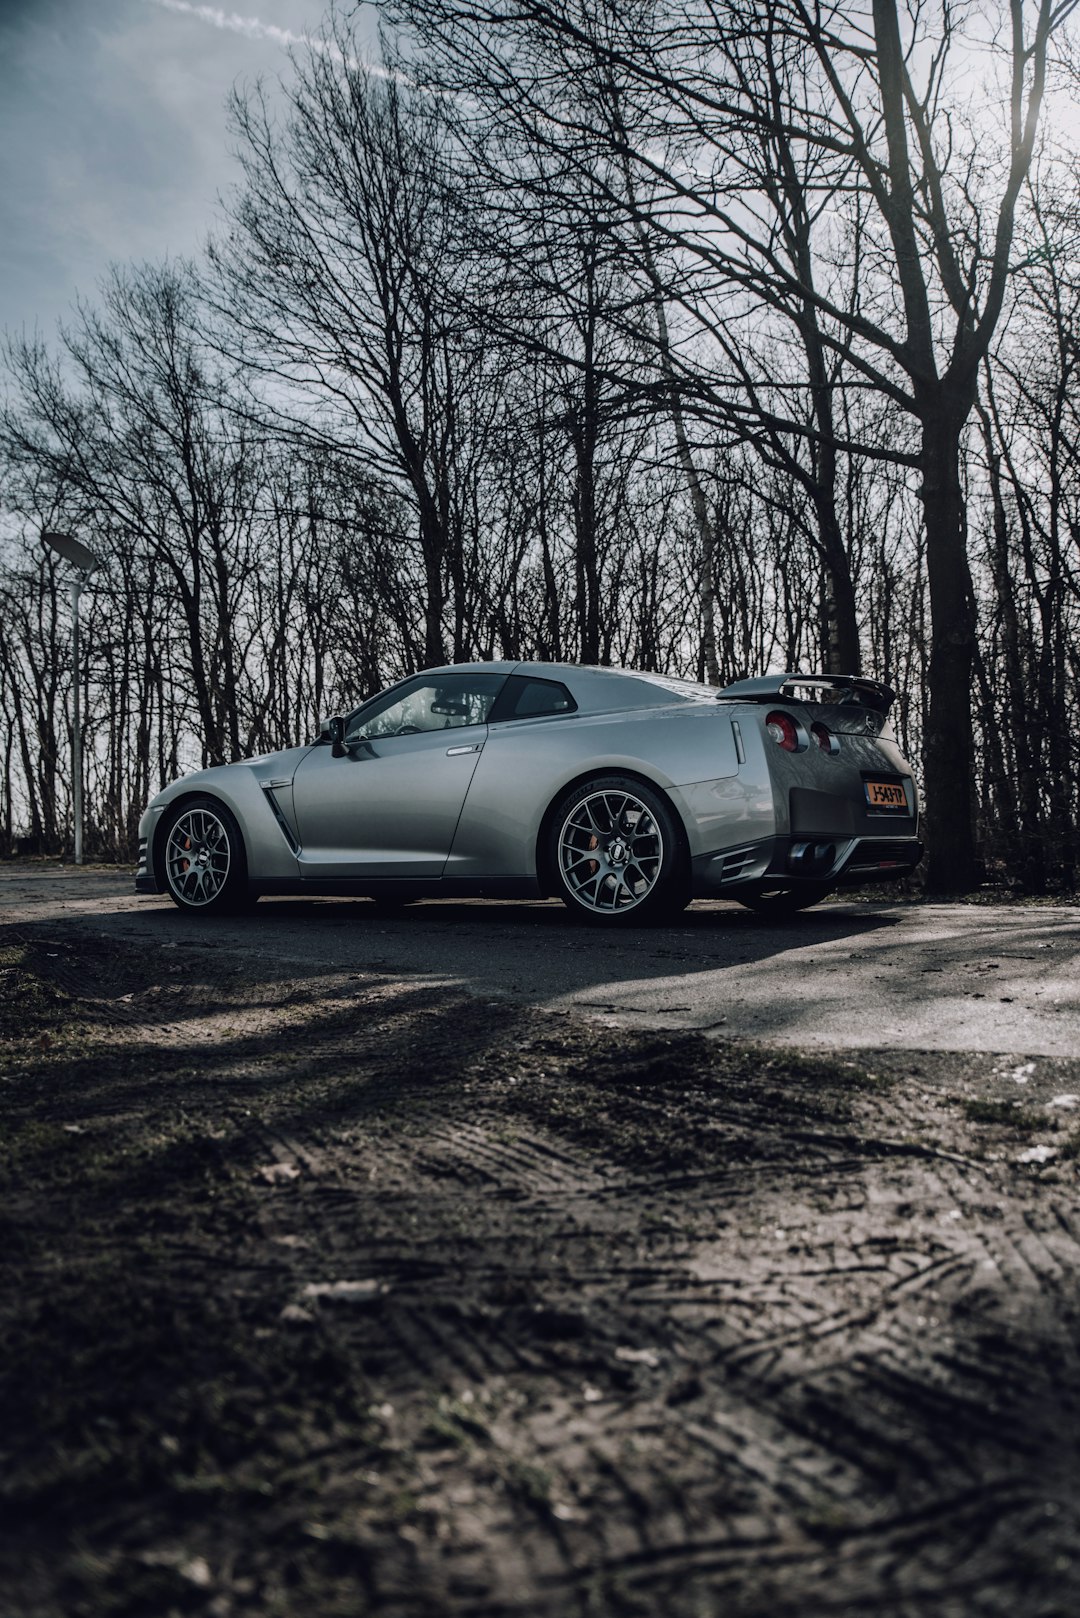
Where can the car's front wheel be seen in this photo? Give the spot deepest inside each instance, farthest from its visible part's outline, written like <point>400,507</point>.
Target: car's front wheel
<point>616,852</point>
<point>203,860</point>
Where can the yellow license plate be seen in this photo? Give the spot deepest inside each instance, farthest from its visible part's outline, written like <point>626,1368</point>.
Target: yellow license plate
<point>885,795</point>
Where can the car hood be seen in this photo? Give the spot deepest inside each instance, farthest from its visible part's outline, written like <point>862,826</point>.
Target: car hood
<point>272,766</point>
<point>276,767</point>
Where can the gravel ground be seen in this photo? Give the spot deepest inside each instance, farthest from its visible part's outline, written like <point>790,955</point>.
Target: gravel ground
<point>337,1294</point>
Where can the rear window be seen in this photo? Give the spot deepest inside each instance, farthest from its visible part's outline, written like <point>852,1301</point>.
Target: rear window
<point>690,690</point>
<point>525,697</point>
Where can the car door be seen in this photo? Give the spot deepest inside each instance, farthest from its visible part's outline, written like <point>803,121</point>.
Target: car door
<point>390,805</point>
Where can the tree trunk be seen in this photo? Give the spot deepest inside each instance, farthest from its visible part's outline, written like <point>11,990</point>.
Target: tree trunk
<point>1021,809</point>
<point>432,547</point>
<point>843,653</point>
<point>949,753</point>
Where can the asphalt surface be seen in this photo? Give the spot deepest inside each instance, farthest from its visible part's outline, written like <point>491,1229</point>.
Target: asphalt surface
<point>847,975</point>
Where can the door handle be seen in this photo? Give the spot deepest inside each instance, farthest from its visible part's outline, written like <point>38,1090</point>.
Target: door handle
<point>452,752</point>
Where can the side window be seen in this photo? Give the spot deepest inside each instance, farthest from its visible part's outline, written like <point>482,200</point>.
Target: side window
<point>433,702</point>
<point>525,697</point>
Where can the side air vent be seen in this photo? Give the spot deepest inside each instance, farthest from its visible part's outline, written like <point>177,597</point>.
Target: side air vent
<point>275,809</point>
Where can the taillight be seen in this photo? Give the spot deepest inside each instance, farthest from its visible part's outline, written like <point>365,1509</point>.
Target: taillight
<point>824,738</point>
<point>784,731</point>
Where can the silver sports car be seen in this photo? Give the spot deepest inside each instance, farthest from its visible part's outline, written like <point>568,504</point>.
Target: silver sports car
<point>625,794</point>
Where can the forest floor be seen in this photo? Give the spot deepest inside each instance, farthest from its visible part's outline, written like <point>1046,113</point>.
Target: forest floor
<point>333,1295</point>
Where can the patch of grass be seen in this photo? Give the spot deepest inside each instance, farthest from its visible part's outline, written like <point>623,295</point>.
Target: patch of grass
<point>604,1594</point>
<point>1003,1112</point>
<point>38,1020</point>
<point>529,1482</point>
<point>827,1520</point>
<point>113,1588</point>
<point>456,1422</point>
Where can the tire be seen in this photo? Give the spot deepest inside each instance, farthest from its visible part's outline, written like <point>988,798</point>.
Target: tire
<point>785,901</point>
<point>616,853</point>
<point>203,860</point>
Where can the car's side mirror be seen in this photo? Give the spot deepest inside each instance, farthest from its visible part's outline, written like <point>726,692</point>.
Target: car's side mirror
<point>336,731</point>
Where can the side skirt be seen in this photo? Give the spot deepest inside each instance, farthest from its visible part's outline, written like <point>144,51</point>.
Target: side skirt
<point>349,887</point>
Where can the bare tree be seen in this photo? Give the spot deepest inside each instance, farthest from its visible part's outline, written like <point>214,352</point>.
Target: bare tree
<point>1030,427</point>
<point>875,131</point>
<point>334,277</point>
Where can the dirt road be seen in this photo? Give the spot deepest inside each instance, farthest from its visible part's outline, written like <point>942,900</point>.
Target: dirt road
<point>339,1284</point>
<point>990,978</point>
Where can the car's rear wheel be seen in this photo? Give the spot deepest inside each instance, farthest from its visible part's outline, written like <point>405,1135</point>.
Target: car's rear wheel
<point>203,859</point>
<point>781,901</point>
<point>616,852</point>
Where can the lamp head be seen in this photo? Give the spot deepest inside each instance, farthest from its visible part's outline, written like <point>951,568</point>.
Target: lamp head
<point>72,550</point>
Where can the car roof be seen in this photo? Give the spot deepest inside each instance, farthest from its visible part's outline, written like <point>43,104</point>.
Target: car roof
<point>596,687</point>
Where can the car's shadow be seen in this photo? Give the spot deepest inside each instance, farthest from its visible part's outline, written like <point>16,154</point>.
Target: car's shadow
<point>530,951</point>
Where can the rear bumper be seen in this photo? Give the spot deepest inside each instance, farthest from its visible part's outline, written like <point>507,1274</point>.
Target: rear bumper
<point>881,859</point>
<point>794,861</point>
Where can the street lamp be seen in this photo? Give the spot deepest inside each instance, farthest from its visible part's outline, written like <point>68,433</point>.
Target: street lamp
<point>84,562</point>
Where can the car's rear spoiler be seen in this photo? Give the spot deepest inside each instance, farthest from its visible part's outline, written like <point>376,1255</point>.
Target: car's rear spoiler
<point>844,688</point>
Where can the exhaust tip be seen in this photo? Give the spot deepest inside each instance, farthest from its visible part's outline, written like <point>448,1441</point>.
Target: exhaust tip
<point>811,859</point>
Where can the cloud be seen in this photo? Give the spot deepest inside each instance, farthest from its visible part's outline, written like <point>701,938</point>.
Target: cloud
<point>254,28</point>
<point>231,22</point>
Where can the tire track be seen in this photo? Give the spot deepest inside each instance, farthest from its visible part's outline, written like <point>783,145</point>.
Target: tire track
<point>782,1371</point>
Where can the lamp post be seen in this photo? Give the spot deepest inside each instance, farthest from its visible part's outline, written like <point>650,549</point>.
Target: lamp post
<point>84,562</point>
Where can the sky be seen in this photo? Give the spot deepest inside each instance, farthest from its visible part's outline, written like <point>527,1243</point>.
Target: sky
<point>113,136</point>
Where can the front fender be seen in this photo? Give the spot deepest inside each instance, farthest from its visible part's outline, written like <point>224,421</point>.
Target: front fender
<point>249,791</point>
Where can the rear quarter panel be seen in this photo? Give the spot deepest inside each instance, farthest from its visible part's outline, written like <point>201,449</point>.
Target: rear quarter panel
<point>527,764</point>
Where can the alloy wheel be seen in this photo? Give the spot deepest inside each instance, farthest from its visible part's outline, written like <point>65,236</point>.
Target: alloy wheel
<point>611,852</point>
<point>198,857</point>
